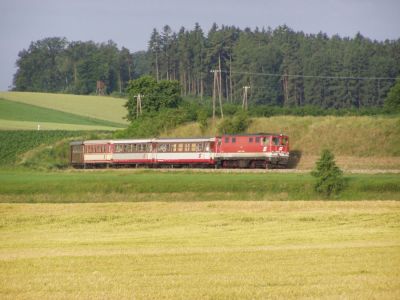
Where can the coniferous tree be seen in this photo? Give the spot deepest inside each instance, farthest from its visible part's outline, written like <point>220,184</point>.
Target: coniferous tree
<point>329,178</point>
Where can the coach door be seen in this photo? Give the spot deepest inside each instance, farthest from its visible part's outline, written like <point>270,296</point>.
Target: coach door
<point>77,154</point>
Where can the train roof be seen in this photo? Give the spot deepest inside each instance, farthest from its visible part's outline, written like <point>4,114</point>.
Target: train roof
<point>185,140</point>
<point>132,141</point>
<point>96,142</point>
<point>253,134</point>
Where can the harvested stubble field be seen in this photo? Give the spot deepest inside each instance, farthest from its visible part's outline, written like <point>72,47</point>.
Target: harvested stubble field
<point>201,250</point>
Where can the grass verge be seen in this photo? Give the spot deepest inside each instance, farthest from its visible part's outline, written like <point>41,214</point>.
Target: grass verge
<point>152,185</point>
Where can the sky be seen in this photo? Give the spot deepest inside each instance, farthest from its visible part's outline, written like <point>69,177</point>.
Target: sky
<point>129,22</point>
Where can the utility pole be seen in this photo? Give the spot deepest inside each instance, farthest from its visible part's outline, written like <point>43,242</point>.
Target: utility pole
<point>230,79</point>
<point>217,88</point>
<point>138,105</point>
<point>220,82</point>
<point>245,101</point>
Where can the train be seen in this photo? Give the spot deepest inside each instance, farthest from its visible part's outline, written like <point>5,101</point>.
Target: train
<point>261,150</point>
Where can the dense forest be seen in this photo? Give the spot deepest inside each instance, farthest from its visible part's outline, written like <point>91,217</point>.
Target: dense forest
<point>281,67</point>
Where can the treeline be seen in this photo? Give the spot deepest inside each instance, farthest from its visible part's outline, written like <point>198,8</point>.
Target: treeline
<point>282,67</point>
<point>57,65</point>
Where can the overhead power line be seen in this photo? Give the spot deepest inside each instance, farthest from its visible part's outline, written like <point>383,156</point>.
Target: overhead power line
<point>311,76</point>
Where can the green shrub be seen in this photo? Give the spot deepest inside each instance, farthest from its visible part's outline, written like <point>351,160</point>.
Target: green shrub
<point>237,124</point>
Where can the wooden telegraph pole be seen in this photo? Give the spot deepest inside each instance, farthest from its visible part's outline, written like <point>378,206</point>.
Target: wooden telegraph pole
<point>138,105</point>
<point>245,101</point>
<point>217,89</point>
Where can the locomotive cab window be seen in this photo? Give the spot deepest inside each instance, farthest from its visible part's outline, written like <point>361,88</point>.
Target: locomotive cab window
<point>233,140</point>
<point>284,141</point>
<point>265,141</point>
<point>257,139</point>
<point>226,140</point>
<point>275,141</point>
<point>250,140</point>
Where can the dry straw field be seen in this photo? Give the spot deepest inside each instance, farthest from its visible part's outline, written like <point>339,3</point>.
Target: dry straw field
<point>201,250</point>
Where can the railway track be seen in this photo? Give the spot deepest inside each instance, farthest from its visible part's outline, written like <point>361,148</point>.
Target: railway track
<point>228,171</point>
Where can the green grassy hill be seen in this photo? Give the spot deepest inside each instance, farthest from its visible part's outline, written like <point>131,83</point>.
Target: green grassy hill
<point>352,136</point>
<point>77,110</point>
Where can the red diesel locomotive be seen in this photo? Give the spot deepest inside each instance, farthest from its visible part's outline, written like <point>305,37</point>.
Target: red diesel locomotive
<point>227,151</point>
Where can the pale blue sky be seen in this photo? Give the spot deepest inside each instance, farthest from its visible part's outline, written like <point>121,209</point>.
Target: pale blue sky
<point>129,23</point>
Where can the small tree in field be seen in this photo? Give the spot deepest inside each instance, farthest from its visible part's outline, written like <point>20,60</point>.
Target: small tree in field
<point>329,177</point>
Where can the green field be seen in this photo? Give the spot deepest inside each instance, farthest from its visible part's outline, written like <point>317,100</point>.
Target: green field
<point>106,109</point>
<point>15,111</point>
<point>201,250</point>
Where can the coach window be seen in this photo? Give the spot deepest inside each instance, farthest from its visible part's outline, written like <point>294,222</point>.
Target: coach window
<point>162,148</point>
<point>142,147</point>
<point>199,147</point>
<point>193,147</point>
<point>179,148</point>
<point>186,147</point>
<point>227,140</point>
<point>257,139</point>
